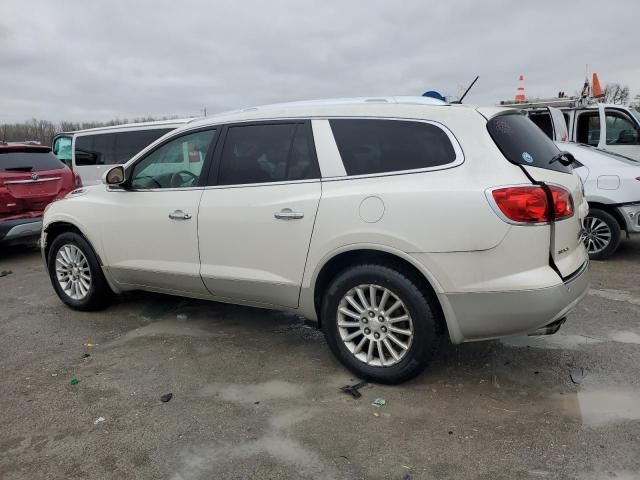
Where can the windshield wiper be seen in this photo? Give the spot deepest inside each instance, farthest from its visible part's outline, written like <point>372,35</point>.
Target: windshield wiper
<point>18,169</point>
<point>564,157</point>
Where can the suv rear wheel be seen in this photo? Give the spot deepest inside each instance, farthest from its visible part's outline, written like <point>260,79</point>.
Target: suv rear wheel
<point>379,324</point>
<point>76,274</point>
<point>601,234</point>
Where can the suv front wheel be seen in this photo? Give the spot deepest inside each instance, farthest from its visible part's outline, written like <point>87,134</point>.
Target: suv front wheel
<point>379,323</point>
<point>75,273</point>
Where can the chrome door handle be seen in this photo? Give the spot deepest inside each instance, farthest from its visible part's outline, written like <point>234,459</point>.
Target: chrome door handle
<point>288,214</point>
<point>179,215</point>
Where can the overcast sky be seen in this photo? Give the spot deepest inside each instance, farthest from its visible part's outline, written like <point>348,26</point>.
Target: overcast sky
<point>96,60</point>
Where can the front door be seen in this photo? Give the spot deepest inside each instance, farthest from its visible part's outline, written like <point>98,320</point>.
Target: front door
<point>255,221</point>
<point>619,132</point>
<point>150,228</point>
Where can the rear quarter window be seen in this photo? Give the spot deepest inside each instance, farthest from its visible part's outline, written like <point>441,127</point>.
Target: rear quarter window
<point>523,143</point>
<point>29,162</point>
<point>369,146</point>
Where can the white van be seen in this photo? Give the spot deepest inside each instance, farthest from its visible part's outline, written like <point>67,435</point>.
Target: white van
<point>615,128</point>
<point>93,151</point>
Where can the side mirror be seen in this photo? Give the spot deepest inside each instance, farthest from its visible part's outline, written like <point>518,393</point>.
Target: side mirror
<point>114,176</point>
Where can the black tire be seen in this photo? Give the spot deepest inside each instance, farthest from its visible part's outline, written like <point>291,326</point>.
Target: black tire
<point>614,229</point>
<point>99,293</point>
<point>421,306</point>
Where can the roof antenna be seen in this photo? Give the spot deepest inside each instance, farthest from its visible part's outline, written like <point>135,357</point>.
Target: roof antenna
<point>467,90</point>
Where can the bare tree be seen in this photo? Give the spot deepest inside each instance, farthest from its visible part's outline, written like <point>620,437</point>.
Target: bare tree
<point>43,130</point>
<point>615,93</point>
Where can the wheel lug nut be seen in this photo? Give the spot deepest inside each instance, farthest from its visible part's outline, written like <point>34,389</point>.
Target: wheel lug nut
<point>384,329</point>
<point>367,331</point>
<point>376,335</point>
<point>381,318</point>
<point>371,314</point>
<point>365,319</point>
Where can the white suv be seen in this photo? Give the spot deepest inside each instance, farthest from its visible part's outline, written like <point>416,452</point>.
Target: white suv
<point>390,221</point>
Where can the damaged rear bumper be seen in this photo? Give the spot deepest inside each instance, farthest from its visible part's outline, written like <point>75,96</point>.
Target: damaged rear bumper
<point>486,315</point>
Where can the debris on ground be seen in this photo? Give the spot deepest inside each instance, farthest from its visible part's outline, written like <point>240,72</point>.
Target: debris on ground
<point>494,381</point>
<point>86,355</point>
<point>407,476</point>
<point>4,273</point>
<point>577,375</point>
<point>74,381</point>
<point>379,402</point>
<point>376,414</point>
<point>166,397</point>
<point>98,420</point>
<point>353,389</point>
<point>89,344</point>
<point>181,316</point>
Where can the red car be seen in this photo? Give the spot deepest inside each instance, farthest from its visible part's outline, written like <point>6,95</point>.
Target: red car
<point>31,177</point>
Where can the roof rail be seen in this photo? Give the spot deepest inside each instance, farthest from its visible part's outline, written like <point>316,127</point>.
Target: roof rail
<point>571,102</point>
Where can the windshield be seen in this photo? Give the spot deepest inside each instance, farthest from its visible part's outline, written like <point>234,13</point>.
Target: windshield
<point>523,143</point>
<point>635,114</point>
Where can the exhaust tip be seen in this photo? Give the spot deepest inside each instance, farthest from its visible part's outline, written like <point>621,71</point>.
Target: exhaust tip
<point>550,328</point>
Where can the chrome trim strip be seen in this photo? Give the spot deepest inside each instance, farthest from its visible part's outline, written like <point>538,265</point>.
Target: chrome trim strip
<point>40,180</point>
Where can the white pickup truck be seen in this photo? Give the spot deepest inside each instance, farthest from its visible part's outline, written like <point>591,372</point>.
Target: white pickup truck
<point>615,128</point>
<point>610,177</point>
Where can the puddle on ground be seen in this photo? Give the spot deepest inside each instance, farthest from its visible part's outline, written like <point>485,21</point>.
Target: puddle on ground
<point>625,337</point>
<point>274,389</point>
<point>597,408</point>
<point>615,295</point>
<point>172,327</point>
<point>550,341</point>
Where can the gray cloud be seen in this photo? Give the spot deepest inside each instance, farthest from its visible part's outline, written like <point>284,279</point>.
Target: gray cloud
<point>80,60</point>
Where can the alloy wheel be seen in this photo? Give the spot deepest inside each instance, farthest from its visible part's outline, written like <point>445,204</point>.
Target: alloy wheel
<point>375,325</point>
<point>73,272</point>
<point>597,235</point>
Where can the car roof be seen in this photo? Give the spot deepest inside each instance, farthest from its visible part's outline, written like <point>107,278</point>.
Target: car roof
<point>178,122</point>
<point>353,106</point>
<point>23,147</point>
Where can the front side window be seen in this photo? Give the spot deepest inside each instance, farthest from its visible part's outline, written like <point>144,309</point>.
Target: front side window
<point>620,129</point>
<point>176,164</point>
<point>369,146</point>
<point>62,149</point>
<point>266,153</point>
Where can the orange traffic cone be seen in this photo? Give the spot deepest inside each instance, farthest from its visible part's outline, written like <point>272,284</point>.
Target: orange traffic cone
<point>596,90</point>
<point>520,90</point>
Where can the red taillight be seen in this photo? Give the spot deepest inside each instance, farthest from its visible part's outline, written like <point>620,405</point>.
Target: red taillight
<point>522,204</point>
<point>528,204</point>
<point>77,179</point>
<point>562,202</point>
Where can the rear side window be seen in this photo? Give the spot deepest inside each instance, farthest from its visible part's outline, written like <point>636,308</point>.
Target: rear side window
<point>266,153</point>
<point>129,143</point>
<point>543,120</point>
<point>114,148</point>
<point>521,142</point>
<point>29,162</point>
<point>370,146</point>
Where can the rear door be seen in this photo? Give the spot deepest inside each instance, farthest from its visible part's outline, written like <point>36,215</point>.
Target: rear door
<point>560,131</point>
<point>255,220</point>
<point>526,145</point>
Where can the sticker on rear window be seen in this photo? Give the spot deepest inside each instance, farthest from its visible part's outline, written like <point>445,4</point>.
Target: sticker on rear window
<point>526,156</point>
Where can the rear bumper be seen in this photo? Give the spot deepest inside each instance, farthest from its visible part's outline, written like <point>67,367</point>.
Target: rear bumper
<point>21,229</point>
<point>486,315</point>
<point>631,215</point>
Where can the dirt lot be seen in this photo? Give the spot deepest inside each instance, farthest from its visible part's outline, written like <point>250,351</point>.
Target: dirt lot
<point>256,393</point>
